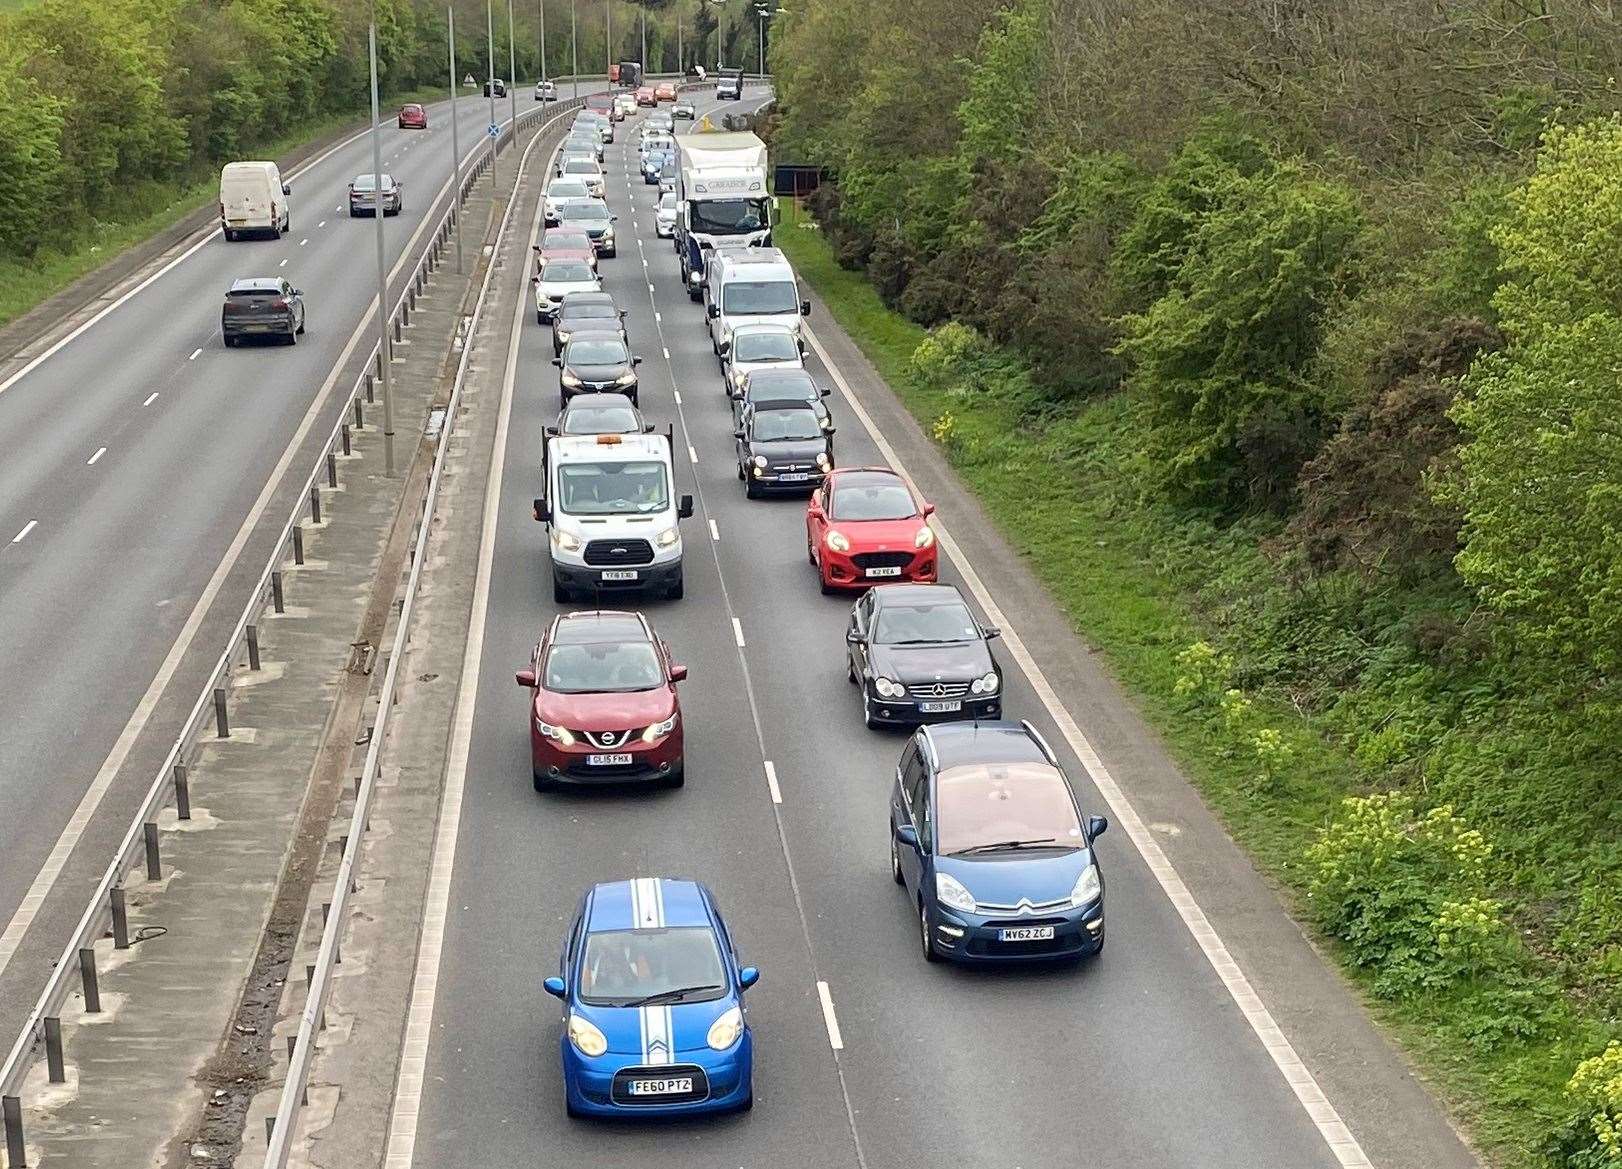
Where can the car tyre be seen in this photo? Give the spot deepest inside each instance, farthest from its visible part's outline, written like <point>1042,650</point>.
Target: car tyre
<point>539,320</point>
<point>301,326</point>
<point>822,583</point>
<point>750,491</point>
<point>923,934</point>
<point>895,860</point>
<point>230,341</point>
<point>748,1101</point>
<point>230,236</point>
<point>850,670</point>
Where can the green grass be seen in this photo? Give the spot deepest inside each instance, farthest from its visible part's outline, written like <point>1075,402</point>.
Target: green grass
<point>154,208</point>
<point>1135,582</point>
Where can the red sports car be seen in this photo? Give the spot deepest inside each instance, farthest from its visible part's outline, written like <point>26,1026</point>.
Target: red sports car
<point>413,117</point>
<point>645,96</point>
<point>664,91</point>
<point>863,526</point>
<point>603,705</point>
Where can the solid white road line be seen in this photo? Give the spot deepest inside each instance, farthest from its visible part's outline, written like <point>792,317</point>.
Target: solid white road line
<point>835,1040</point>
<point>1319,1110</point>
<point>23,535</point>
<point>715,532</point>
<point>91,462</point>
<point>150,398</point>
<point>194,354</point>
<point>771,783</point>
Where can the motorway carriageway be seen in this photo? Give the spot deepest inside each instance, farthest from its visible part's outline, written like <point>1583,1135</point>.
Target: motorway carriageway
<point>135,463</point>
<point>865,1056</point>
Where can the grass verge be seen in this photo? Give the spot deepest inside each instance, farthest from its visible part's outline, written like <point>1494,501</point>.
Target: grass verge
<point>1133,580</point>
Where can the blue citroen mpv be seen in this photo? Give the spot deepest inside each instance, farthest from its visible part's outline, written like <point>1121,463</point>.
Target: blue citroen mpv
<point>653,1015</point>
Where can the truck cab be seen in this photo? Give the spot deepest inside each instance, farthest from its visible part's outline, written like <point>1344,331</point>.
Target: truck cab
<point>723,200</point>
<point>612,515</point>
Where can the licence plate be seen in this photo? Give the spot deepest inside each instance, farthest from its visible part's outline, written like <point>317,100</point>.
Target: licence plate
<point>1029,933</point>
<point>884,572</point>
<point>939,707</point>
<point>617,760</point>
<point>794,477</point>
<point>676,1086</point>
<point>619,574</point>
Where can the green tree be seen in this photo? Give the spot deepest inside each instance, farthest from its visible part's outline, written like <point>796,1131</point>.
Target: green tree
<point>30,157</point>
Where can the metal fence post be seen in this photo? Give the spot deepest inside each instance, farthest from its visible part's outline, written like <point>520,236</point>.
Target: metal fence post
<point>298,545</point>
<point>315,504</point>
<point>182,793</point>
<point>344,432</point>
<point>121,920</point>
<point>360,414</point>
<point>154,862</point>
<point>222,719</point>
<point>332,465</point>
<point>277,600</point>
<point>11,1107</point>
<point>87,976</point>
<point>253,646</point>
<point>53,1050</point>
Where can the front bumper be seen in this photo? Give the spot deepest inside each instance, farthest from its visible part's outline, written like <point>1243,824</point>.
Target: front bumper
<point>841,569</point>
<point>629,391</point>
<point>723,1081</point>
<point>772,479</point>
<point>661,574</point>
<point>904,711</point>
<point>650,762</point>
<point>974,938</point>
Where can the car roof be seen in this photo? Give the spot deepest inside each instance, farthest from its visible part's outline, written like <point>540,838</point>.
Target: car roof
<point>257,284</point>
<point>593,335</point>
<point>647,903</point>
<point>587,297</point>
<point>916,594</point>
<point>598,625</point>
<point>771,378</point>
<point>994,741</point>
<point>763,327</point>
<point>599,402</point>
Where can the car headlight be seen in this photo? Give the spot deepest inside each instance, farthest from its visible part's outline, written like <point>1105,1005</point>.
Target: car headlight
<point>724,1031</point>
<point>759,461</point>
<point>986,685</point>
<point>925,537</point>
<point>667,538</point>
<point>1088,887</point>
<point>836,542</point>
<point>584,1035</point>
<point>823,461</point>
<point>888,689</point>
<point>949,891</point>
<point>625,379</point>
<point>563,336</point>
<point>570,379</point>
<point>608,234</point>
<point>561,735</point>
<point>659,730</point>
<point>566,541</point>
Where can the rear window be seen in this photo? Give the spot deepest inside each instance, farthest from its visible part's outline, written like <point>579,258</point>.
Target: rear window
<point>249,292</point>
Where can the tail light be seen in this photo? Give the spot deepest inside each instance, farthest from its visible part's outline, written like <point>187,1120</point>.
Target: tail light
<point>279,302</point>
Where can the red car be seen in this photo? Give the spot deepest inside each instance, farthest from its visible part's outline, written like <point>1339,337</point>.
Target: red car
<point>413,117</point>
<point>646,97</point>
<point>603,705</point>
<point>664,91</point>
<point>562,243</point>
<point>863,526</point>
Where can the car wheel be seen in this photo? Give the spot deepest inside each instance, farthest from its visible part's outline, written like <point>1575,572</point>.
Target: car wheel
<point>810,552</point>
<point>895,860</point>
<point>301,326</point>
<point>750,491</point>
<point>742,478</point>
<point>822,582</point>
<point>543,783</point>
<point>748,1102</point>
<point>850,669</point>
<point>539,320</point>
<point>695,294</point>
<point>230,341</point>
<point>923,935</point>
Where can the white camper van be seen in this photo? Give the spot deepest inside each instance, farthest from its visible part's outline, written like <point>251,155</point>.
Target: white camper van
<point>254,198</point>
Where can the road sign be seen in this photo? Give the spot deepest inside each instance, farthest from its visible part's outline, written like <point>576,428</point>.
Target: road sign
<point>495,130</point>
<point>468,80</point>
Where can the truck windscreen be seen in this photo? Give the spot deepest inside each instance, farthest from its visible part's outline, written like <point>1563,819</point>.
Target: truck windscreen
<point>728,216</point>
<point>613,488</point>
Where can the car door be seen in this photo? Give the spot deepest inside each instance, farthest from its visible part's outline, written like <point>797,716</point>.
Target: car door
<point>816,517</point>
<point>912,780</point>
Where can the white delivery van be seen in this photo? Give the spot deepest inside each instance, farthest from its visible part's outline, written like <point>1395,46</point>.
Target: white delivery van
<point>750,286</point>
<point>612,514</point>
<point>253,197</point>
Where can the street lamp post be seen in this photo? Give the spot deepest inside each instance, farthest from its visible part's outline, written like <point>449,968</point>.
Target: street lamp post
<point>490,46</point>
<point>642,57</point>
<point>385,356</point>
<point>608,44</point>
<point>574,48</point>
<point>512,79</point>
<point>456,147</point>
<point>543,40</point>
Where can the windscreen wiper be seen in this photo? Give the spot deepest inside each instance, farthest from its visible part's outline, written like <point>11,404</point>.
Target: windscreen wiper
<point>671,996</point>
<point>1000,845</point>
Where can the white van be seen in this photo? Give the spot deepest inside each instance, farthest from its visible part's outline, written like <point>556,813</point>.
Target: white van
<point>750,286</point>
<point>612,512</point>
<point>253,198</point>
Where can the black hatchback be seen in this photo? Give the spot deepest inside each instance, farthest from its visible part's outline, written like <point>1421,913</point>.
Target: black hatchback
<point>783,446</point>
<point>918,655</point>
<point>586,312</point>
<point>596,363</point>
<point>262,306</point>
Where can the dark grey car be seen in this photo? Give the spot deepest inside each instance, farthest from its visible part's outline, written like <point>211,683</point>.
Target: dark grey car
<point>262,306</point>
<point>596,363</point>
<point>782,446</point>
<point>586,312</point>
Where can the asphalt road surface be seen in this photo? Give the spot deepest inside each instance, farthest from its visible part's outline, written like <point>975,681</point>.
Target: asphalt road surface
<point>1140,1059</point>
<point>130,460</point>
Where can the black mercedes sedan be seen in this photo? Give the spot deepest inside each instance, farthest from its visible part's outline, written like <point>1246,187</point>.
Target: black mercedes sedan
<point>782,446</point>
<point>918,655</point>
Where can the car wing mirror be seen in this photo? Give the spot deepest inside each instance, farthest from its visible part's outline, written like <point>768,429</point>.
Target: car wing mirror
<point>678,673</point>
<point>929,509</point>
<point>805,308</point>
<point>715,311</point>
<point>526,678</point>
<point>854,636</point>
<point>543,514</point>
<point>990,631</point>
<point>557,363</point>
<point>551,432</point>
<point>830,431</point>
<point>555,987</point>
<point>747,977</point>
<point>684,507</point>
<point>907,835</point>
<point>647,428</point>
<point>637,360</point>
<point>724,348</point>
<point>1096,826</point>
<point>287,188</point>
<point>824,391</point>
<point>738,433</point>
<point>298,292</point>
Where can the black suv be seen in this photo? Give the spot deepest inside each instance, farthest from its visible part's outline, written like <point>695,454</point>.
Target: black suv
<point>919,655</point>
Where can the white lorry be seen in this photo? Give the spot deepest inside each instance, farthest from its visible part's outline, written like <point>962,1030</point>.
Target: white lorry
<point>724,199</point>
<point>613,515</point>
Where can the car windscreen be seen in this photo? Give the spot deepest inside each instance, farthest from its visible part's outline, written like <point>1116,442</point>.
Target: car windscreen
<point>983,805</point>
<point>600,420</point>
<point>915,624</point>
<point>592,351</point>
<point>723,216</point>
<point>569,189</point>
<point>872,501</point>
<point>576,240</point>
<point>621,967</point>
<point>566,271</point>
<point>786,426</point>
<point>772,346</point>
<point>580,166</point>
<point>605,667</point>
<point>584,212</point>
<point>743,297</point>
<point>639,488</point>
<point>764,385</point>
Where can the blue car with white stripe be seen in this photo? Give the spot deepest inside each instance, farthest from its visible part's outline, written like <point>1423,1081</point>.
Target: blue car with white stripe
<point>653,1014</point>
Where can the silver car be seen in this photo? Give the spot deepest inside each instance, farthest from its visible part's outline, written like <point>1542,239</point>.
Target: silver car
<point>664,216</point>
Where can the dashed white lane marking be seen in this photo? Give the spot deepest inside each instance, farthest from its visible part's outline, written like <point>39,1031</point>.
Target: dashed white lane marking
<point>194,354</point>
<point>322,224</point>
<point>150,398</point>
<point>1342,1144</point>
<point>692,456</point>
<point>91,461</point>
<point>715,532</point>
<point>737,632</point>
<point>650,288</point>
<point>304,241</point>
<point>23,535</point>
<point>657,319</point>
<point>667,358</point>
<point>676,392</point>
<point>771,782</point>
<point>283,264</point>
<point>835,1040</point>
